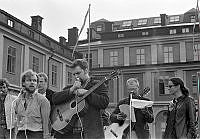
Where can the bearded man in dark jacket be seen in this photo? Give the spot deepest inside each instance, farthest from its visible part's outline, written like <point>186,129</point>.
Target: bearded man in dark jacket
<point>97,100</point>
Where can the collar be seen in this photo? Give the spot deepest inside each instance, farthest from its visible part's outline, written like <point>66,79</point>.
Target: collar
<point>86,83</point>
<point>180,98</point>
<point>44,94</point>
<point>22,95</point>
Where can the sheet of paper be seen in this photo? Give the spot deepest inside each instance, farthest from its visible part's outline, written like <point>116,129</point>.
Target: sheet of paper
<point>126,110</point>
<point>140,104</point>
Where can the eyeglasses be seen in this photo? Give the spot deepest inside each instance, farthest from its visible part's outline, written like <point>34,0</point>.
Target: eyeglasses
<point>77,73</point>
<point>2,87</point>
<point>170,86</point>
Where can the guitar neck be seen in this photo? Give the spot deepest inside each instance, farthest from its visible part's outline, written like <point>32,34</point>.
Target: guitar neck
<point>93,88</point>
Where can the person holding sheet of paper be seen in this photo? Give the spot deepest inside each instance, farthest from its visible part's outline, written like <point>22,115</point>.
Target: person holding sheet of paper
<point>142,116</point>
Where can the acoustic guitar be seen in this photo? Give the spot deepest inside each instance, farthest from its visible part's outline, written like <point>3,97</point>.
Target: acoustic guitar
<point>116,131</point>
<point>65,115</point>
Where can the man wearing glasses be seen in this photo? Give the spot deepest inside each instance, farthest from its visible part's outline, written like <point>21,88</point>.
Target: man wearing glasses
<point>6,101</point>
<point>97,100</point>
<point>142,116</point>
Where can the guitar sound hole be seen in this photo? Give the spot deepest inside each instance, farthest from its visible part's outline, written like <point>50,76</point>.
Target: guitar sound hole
<point>73,104</point>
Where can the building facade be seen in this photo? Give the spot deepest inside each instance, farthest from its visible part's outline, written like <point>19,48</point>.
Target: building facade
<point>24,46</point>
<point>151,50</point>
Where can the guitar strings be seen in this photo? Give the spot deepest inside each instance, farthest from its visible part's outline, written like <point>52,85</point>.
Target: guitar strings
<point>79,116</point>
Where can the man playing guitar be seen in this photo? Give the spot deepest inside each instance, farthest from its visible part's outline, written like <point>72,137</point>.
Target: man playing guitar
<point>143,116</point>
<point>91,120</point>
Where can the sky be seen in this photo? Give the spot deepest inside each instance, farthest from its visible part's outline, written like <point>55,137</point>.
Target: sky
<point>60,15</point>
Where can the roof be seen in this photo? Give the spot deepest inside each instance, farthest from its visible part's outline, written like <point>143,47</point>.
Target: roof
<point>36,31</point>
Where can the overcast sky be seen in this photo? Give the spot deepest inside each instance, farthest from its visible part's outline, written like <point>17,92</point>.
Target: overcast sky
<point>59,15</point>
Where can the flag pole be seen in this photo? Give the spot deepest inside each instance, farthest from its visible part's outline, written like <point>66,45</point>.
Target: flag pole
<point>89,40</point>
<point>194,26</point>
<point>80,31</point>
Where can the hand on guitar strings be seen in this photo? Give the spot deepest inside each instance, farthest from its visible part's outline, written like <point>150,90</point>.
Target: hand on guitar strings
<point>80,92</point>
<point>121,116</point>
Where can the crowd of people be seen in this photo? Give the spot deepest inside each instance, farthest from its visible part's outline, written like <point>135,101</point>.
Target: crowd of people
<point>28,115</point>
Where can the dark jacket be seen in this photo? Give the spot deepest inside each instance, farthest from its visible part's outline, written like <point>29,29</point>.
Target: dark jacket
<point>142,118</point>
<point>98,99</point>
<point>181,119</point>
<point>49,94</point>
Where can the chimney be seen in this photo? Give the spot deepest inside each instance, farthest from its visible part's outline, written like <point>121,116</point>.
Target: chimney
<point>163,19</point>
<point>62,40</point>
<point>72,36</point>
<point>37,22</point>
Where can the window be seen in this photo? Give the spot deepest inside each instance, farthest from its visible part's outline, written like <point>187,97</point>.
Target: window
<point>192,18</point>
<point>140,56</point>
<point>163,85</point>
<point>142,22</point>
<point>48,42</point>
<point>196,52</point>
<point>114,58</point>
<point>69,77</point>
<point>10,23</point>
<point>120,35</point>
<point>194,84</point>
<point>11,61</point>
<point>174,18</point>
<point>54,75</point>
<point>126,23</point>
<point>185,30</point>
<point>145,33</point>
<point>35,64</point>
<point>157,20</point>
<point>31,33</point>
<point>168,54</point>
<point>172,31</point>
<point>99,28</point>
<point>90,59</point>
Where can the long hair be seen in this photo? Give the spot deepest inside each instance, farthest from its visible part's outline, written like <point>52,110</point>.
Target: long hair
<point>178,81</point>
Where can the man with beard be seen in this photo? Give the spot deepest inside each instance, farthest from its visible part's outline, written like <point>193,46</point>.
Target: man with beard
<point>6,101</point>
<point>32,109</point>
<point>91,121</point>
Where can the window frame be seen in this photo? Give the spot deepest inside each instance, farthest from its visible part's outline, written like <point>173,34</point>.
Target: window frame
<point>127,23</point>
<point>90,59</point>
<point>172,31</point>
<point>157,20</point>
<point>168,54</point>
<point>185,30</point>
<point>10,23</point>
<point>13,59</point>
<point>142,22</point>
<point>114,61</point>
<point>164,80</point>
<point>175,18</point>
<point>196,53</point>
<point>99,27</point>
<point>35,65</point>
<point>54,75</point>
<point>140,56</point>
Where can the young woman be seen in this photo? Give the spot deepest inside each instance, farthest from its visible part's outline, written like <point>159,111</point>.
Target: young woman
<point>182,117</point>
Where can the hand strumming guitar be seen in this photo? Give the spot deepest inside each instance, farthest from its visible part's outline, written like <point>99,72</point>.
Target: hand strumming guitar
<point>80,92</point>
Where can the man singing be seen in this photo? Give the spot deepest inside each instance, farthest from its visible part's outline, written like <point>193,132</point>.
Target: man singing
<point>97,100</point>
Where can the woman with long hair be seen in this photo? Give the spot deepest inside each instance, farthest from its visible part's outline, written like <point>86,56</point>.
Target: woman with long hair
<point>182,116</point>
